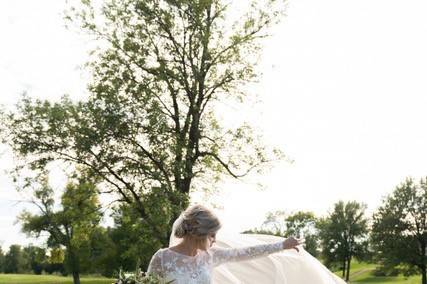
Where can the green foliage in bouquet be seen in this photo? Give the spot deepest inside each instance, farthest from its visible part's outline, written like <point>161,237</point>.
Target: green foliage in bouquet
<point>140,277</point>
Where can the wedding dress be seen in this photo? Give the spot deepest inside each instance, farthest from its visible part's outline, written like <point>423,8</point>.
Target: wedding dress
<point>184,269</point>
<point>241,259</point>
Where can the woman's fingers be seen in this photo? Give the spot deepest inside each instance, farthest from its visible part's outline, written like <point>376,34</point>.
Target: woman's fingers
<point>290,243</point>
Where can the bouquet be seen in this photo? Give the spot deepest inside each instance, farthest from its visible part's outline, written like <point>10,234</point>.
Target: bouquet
<point>139,277</point>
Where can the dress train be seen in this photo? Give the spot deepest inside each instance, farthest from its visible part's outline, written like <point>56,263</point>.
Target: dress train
<point>285,267</point>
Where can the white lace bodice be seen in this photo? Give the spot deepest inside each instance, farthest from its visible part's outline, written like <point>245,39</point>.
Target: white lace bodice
<point>184,269</point>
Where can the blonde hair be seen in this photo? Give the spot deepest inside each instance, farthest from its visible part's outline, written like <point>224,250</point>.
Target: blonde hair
<point>197,221</point>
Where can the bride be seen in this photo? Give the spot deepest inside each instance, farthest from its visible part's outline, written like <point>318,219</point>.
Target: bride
<point>192,256</point>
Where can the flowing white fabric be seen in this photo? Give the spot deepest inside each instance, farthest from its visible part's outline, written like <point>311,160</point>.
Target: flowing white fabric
<point>173,240</point>
<point>286,266</point>
<point>238,259</point>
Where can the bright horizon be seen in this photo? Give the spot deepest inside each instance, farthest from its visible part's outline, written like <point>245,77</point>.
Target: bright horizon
<point>343,89</point>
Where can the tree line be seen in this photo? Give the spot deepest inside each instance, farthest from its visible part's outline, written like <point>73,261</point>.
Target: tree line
<point>394,237</point>
<point>76,242</point>
<point>31,260</point>
<point>104,251</point>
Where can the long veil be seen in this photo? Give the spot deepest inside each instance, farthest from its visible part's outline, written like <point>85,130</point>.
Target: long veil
<point>173,240</point>
<point>286,267</point>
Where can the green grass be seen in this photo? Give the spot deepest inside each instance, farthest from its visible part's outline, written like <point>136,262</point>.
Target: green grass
<point>362,273</point>
<point>367,278</point>
<point>49,279</point>
<point>359,273</point>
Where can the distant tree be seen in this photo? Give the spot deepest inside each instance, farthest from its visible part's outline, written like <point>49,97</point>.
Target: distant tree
<point>104,255</point>
<point>55,261</point>
<point>36,258</point>
<point>343,235</point>
<point>134,245</point>
<point>275,223</point>
<point>14,261</point>
<point>304,224</point>
<point>299,224</point>
<point>71,226</point>
<point>261,231</point>
<point>1,260</point>
<point>399,230</point>
<point>153,120</point>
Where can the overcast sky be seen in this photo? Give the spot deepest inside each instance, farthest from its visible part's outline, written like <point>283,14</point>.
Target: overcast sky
<point>344,95</point>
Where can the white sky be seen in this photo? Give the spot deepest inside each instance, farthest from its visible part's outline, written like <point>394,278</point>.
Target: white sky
<point>344,91</point>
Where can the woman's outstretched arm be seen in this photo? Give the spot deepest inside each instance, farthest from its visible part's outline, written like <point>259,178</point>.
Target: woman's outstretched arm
<point>220,255</point>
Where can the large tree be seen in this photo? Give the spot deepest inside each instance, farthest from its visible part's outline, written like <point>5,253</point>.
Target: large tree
<point>399,230</point>
<point>152,126</point>
<point>343,235</point>
<point>71,226</point>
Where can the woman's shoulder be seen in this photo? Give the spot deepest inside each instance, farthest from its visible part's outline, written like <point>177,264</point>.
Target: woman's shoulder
<point>159,252</point>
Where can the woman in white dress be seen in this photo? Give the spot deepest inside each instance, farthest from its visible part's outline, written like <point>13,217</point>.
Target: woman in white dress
<point>192,256</point>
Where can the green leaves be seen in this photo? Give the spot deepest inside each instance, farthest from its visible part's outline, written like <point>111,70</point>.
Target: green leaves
<point>344,234</point>
<point>72,225</point>
<point>151,127</point>
<point>399,229</point>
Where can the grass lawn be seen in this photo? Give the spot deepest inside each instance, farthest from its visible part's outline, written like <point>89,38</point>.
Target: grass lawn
<point>362,273</point>
<point>49,279</point>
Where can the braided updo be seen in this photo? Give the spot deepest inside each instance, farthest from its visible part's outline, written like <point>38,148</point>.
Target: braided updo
<point>197,221</point>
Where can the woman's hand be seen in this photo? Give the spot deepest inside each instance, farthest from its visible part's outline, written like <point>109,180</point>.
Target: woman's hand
<point>292,243</point>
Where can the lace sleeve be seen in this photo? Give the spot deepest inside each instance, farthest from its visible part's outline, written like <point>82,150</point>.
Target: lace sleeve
<point>220,256</point>
<point>155,266</point>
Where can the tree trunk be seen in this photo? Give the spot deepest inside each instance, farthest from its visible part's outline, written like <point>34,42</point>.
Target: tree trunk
<point>343,268</point>
<point>76,277</point>
<point>347,277</point>
<point>423,275</point>
<point>423,264</point>
<point>74,265</point>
